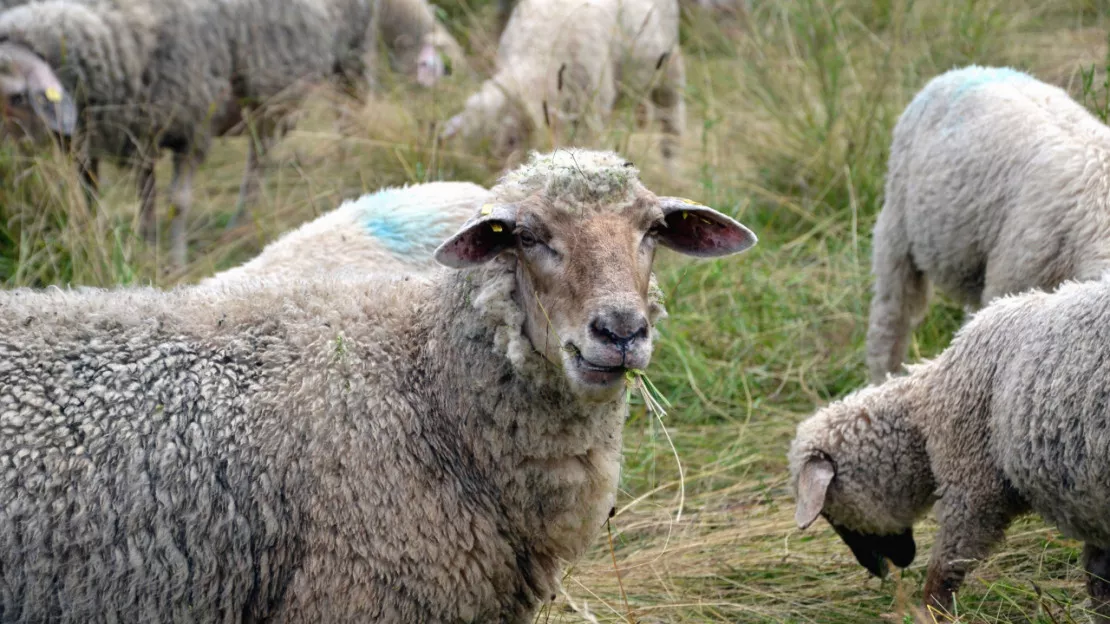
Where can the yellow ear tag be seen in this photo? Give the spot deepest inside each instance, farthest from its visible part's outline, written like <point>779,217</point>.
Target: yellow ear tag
<point>685,214</point>
<point>486,210</point>
<point>53,94</point>
<point>496,227</point>
<point>691,202</point>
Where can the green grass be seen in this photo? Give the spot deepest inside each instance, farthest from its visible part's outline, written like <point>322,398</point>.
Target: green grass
<point>791,108</point>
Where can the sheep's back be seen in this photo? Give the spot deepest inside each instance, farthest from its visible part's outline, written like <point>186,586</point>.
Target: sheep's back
<point>1045,363</point>
<point>993,180</point>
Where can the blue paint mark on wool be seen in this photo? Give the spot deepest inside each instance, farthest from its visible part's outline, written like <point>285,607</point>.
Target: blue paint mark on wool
<point>403,226</point>
<point>974,76</point>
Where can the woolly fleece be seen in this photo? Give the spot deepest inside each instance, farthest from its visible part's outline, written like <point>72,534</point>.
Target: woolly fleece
<point>997,183</point>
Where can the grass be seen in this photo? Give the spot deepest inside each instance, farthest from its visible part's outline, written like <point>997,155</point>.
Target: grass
<point>790,108</point>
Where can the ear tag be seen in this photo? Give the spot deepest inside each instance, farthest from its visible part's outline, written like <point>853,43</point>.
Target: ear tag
<point>496,227</point>
<point>53,95</point>
<point>685,214</point>
<point>486,210</point>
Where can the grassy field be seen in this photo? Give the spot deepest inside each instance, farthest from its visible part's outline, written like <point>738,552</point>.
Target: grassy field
<point>790,115</point>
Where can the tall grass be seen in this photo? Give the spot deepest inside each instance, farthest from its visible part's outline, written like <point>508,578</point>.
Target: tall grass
<point>791,106</point>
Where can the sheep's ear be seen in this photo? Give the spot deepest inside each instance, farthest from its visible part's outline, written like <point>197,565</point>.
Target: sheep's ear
<point>28,82</point>
<point>697,230</point>
<point>872,551</point>
<point>481,238</point>
<point>813,482</point>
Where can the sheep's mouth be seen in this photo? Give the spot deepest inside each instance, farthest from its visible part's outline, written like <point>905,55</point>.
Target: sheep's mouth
<point>595,374</point>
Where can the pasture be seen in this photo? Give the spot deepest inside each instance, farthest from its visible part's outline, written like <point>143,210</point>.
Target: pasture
<point>790,111</point>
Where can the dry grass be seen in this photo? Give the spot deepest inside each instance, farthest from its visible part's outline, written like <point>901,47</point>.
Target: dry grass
<point>790,114</point>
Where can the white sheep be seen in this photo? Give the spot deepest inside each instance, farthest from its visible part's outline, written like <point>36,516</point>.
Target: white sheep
<point>393,231</point>
<point>997,183</point>
<point>1011,418</point>
<point>340,450</point>
<point>561,67</point>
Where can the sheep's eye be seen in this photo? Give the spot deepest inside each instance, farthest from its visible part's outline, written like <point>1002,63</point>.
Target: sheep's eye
<point>17,99</point>
<point>527,239</point>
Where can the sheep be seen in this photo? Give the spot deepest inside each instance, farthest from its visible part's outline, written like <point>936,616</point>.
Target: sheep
<point>391,232</point>
<point>1010,418</point>
<point>563,65</point>
<point>418,44</point>
<point>997,183</point>
<point>429,449</point>
<point>144,75</point>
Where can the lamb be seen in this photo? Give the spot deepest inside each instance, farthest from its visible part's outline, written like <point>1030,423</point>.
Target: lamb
<point>997,183</point>
<point>562,65</point>
<point>1011,418</point>
<point>145,75</point>
<point>418,44</point>
<point>391,232</point>
<point>430,449</point>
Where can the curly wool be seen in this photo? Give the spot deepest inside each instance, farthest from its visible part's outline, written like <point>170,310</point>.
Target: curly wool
<point>1008,419</point>
<point>997,183</point>
<point>340,449</point>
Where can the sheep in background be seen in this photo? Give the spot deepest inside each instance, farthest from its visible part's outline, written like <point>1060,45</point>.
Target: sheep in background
<point>997,183</point>
<point>559,65</point>
<point>391,232</point>
<point>1011,418</point>
<point>127,107</point>
<point>418,44</point>
<point>145,76</point>
<point>337,450</point>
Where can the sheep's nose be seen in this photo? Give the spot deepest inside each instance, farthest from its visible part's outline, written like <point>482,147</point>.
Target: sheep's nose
<point>620,328</point>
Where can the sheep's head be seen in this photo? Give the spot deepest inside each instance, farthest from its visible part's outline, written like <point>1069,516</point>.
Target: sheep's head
<point>583,232</point>
<point>493,122</point>
<point>34,101</point>
<point>863,466</point>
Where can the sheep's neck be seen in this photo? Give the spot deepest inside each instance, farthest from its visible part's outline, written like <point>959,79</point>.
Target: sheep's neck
<point>552,460</point>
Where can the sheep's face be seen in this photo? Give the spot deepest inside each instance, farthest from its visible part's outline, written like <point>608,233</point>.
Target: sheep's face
<point>34,102</point>
<point>584,274</point>
<point>493,123</point>
<point>865,469</point>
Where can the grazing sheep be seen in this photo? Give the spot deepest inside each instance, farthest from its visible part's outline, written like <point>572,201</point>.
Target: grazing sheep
<point>391,232</point>
<point>561,66</point>
<point>144,75</point>
<point>340,450</point>
<point>1011,418</point>
<point>997,183</point>
<point>418,44</point>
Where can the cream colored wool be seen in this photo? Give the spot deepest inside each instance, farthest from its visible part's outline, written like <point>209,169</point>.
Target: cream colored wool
<point>997,183</point>
<point>390,232</point>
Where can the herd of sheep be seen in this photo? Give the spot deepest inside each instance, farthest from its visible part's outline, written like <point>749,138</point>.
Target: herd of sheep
<point>411,408</point>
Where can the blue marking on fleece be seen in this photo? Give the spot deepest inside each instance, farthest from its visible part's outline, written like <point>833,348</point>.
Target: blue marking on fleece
<point>965,80</point>
<point>975,76</point>
<point>389,216</point>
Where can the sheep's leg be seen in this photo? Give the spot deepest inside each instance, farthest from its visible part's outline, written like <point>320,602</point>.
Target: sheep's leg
<point>148,222</point>
<point>257,147</point>
<point>90,180</point>
<point>1096,561</point>
<point>181,200</point>
<point>670,105</point>
<point>971,523</point>
<point>901,294</point>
